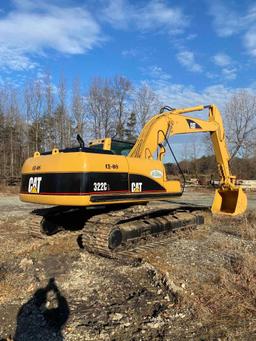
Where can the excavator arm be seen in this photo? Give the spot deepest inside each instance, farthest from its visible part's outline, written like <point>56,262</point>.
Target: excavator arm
<point>229,198</point>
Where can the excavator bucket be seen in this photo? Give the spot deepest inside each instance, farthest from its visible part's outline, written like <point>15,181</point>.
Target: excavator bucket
<point>229,201</point>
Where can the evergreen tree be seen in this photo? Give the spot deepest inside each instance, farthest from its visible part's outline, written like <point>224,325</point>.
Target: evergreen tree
<point>131,127</point>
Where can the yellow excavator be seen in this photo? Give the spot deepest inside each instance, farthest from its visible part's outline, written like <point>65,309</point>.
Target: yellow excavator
<point>108,183</point>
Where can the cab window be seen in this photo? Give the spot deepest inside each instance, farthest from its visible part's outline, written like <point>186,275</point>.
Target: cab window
<point>121,147</point>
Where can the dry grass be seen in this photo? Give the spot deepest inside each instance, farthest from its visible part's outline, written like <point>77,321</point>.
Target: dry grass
<point>243,227</point>
<point>10,286</point>
<point>228,302</point>
<point>248,229</point>
<point>220,278</point>
<point>228,307</point>
<point>233,294</point>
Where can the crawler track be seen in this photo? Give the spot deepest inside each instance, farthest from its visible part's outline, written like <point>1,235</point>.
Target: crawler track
<point>34,226</point>
<point>101,234</point>
<point>45,222</point>
<point>113,231</point>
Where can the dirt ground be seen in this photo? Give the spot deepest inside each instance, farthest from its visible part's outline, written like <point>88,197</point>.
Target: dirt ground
<point>191,285</point>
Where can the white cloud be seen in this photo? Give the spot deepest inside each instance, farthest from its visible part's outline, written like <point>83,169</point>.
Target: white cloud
<point>116,13</point>
<point>225,20</point>
<point>34,27</point>
<point>228,22</point>
<point>129,53</point>
<point>15,59</point>
<point>222,59</point>
<point>155,15</point>
<point>157,72</point>
<point>180,95</point>
<point>250,40</point>
<point>187,59</point>
<point>229,71</point>
<point>191,36</point>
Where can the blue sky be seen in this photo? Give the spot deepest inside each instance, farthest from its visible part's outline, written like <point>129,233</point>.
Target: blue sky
<point>191,52</point>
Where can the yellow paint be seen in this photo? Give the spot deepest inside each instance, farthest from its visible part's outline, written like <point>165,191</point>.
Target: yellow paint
<point>74,200</point>
<point>74,162</point>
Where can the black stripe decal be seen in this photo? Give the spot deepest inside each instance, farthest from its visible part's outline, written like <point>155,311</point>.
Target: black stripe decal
<point>84,183</point>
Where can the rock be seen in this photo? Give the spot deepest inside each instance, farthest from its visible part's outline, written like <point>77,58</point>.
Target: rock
<point>167,298</point>
<point>171,285</point>
<point>117,317</point>
<point>25,263</point>
<point>156,325</point>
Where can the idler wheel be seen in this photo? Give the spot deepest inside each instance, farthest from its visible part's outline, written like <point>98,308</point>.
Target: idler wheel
<point>48,227</point>
<point>115,238</point>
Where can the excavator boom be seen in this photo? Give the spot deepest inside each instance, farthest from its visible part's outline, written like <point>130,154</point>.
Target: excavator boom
<point>229,198</point>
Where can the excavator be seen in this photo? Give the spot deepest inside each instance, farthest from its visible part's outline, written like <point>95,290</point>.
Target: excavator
<point>110,183</point>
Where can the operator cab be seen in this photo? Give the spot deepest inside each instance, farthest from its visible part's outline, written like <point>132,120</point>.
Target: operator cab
<point>117,147</point>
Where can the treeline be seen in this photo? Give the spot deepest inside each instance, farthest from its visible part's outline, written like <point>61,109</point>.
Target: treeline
<point>40,116</point>
<point>243,168</point>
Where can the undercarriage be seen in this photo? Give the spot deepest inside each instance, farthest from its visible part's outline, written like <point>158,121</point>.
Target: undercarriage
<point>106,231</point>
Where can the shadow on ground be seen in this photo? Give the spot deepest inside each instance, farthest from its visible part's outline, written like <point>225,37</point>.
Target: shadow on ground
<point>43,316</point>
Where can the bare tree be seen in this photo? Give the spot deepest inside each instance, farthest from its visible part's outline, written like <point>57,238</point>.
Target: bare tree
<point>194,153</point>
<point>3,149</point>
<point>78,107</point>
<point>60,112</point>
<point>240,119</point>
<point>64,122</point>
<point>146,104</point>
<point>49,122</point>
<point>11,133</point>
<point>34,110</point>
<point>101,106</point>
<point>122,87</point>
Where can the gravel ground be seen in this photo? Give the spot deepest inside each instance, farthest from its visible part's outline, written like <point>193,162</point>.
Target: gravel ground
<point>51,290</point>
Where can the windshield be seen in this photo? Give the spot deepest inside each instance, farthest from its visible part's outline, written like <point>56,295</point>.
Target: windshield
<point>96,146</point>
<point>121,147</point>
<point>117,147</point>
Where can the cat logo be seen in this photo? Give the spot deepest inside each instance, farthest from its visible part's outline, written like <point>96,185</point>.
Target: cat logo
<point>136,187</point>
<point>34,184</point>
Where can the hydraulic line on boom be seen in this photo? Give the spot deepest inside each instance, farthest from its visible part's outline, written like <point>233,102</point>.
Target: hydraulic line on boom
<point>229,198</point>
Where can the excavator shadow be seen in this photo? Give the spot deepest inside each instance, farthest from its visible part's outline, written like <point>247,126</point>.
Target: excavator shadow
<point>65,218</point>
